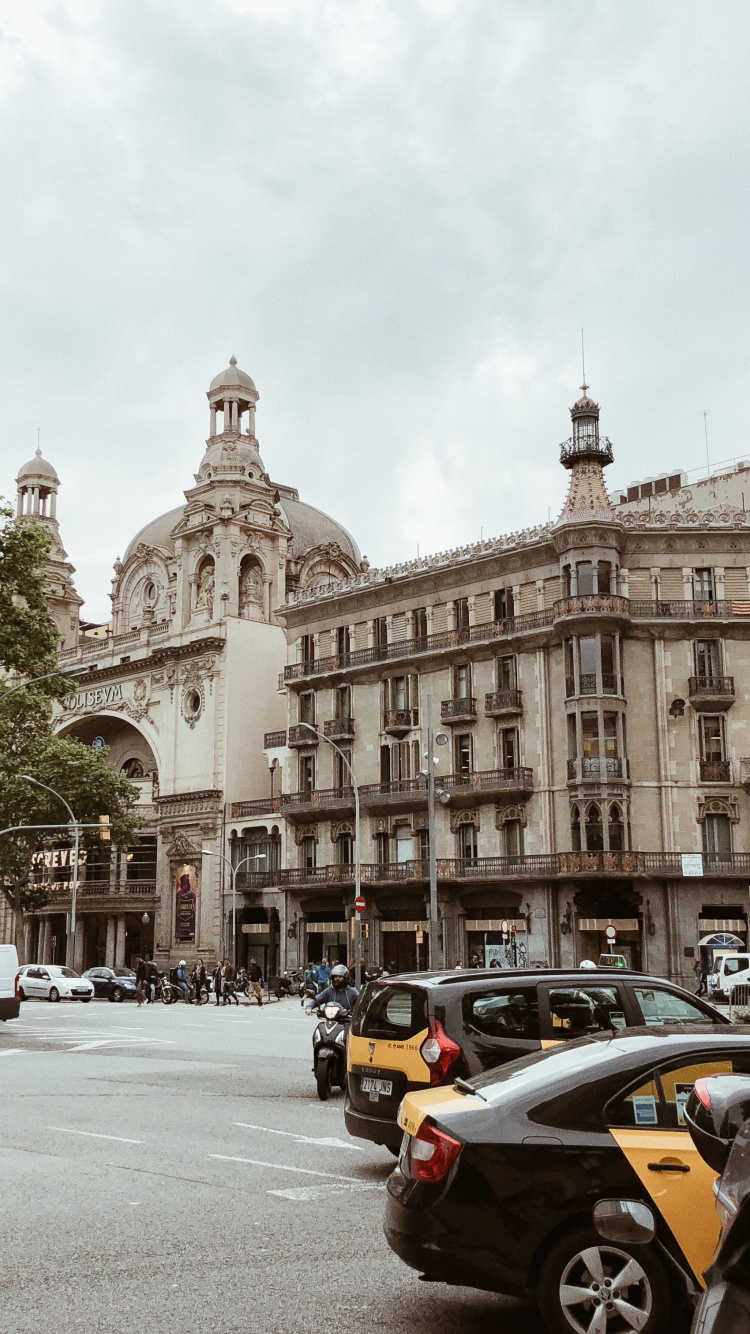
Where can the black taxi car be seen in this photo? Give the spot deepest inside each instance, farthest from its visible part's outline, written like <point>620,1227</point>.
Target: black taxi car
<point>511,1181</point>
<point>420,1030</point>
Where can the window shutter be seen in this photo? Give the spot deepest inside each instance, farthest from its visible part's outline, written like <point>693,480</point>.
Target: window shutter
<point>640,588</point>
<point>399,626</point>
<point>360,634</point>
<point>671,587</point>
<point>483,608</point>
<point>735,583</point>
<point>527,599</point>
<point>552,590</point>
<point>440,618</point>
<point>413,692</point>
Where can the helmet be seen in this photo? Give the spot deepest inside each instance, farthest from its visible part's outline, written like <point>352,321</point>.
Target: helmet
<point>340,976</point>
<point>183,964</point>
<point>587,963</point>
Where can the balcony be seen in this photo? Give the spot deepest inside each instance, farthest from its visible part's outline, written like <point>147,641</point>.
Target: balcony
<point>272,740</point>
<point>489,785</point>
<point>339,729</point>
<point>583,606</point>
<point>503,703</point>
<point>582,448</point>
<point>397,794</point>
<point>302,735</point>
<point>323,801</point>
<point>463,710</point>
<point>595,770</point>
<point>688,609</point>
<point>711,692</point>
<point>239,810</point>
<point>397,722</point>
<point>716,771</point>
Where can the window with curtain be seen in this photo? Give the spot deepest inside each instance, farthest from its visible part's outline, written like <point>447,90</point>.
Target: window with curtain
<point>513,838</point>
<point>467,842</point>
<point>717,835</point>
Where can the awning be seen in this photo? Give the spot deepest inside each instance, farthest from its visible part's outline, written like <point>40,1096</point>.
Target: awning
<point>722,924</point>
<point>601,923</point>
<point>326,928</point>
<point>493,924</point>
<point>404,926</point>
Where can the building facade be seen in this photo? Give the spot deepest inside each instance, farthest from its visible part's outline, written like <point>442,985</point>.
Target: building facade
<point>590,680</point>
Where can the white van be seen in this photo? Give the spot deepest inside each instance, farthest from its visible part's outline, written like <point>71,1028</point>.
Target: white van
<point>10,1005</point>
<point>729,970</point>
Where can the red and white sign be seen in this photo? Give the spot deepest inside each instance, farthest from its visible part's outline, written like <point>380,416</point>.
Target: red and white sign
<point>611,933</point>
<point>360,904</point>
<point>504,926</point>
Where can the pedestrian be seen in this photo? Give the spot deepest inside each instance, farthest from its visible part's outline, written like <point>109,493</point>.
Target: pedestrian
<point>228,975</point>
<point>474,961</point>
<point>700,977</point>
<point>199,979</point>
<point>255,977</point>
<point>217,976</point>
<point>323,974</point>
<point>141,980</point>
<point>392,968</point>
<point>458,964</point>
<point>153,981</point>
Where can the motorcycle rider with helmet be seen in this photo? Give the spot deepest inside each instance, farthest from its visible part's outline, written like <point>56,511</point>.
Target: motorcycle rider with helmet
<point>182,980</point>
<point>338,993</point>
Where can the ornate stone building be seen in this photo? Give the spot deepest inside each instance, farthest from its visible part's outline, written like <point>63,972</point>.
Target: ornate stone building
<point>591,678</point>
<point>181,689</point>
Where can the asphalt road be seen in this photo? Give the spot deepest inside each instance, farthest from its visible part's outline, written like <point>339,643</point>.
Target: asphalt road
<point>172,1169</point>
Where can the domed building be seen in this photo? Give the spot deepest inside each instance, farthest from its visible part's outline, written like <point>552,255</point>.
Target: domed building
<point>185,686</point>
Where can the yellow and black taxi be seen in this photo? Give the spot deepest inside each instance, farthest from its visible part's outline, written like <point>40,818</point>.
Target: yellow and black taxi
<point>420,1030</point>
<point>569,1175</point>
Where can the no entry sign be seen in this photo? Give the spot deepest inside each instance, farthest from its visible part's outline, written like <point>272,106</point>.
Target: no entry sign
<point>611,933</point>
<point>360,904</point>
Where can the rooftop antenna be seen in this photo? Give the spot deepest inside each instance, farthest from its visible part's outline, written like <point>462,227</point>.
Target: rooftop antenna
<point>38,443</point>
<point>584,386</point>
<point>705,432</point>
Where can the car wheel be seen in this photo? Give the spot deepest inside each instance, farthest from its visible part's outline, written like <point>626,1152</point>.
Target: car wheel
<point>117,994</point>
<point>589,1286</point>
<point>54,994</point>
<point>21,994</point>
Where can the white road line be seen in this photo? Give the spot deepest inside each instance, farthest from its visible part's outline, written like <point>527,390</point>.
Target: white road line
<point>283,1167</point>
<point>90,1134</point>
<point>306,1193</point>
<point>328,1141</point>
<point>121,1042</point>
<point>12,1051</point>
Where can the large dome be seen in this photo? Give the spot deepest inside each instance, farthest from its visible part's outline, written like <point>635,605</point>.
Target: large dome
<point>232,378</point>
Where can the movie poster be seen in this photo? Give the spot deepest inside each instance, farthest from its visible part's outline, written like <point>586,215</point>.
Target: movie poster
<point>185,904</point>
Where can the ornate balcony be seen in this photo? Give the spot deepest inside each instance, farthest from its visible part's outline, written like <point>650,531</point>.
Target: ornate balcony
<point>398,794</point>
<point>687,609</point>
<point>595,770</point>
<point>503,703</point>
<point>397,722</point>
<point>583,606</point>
<point>716,771</point>
<point>711,692</point>
<point>598,448</point>
<point>273,739</point>
<point>339,729</point>
<point>490,785</point>
<point>301,735</point>
<point>463,710</point>
<point>239,810</point>
<point>317,801</point>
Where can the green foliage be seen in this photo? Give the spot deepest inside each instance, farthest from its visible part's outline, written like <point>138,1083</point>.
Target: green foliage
<point>28,635</point>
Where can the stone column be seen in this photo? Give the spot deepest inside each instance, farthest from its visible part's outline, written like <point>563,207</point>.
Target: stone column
<point>213,419</point>
<point>19,506</point>
<point>28,927</point>
<point>109,957</point>
<point>47,955</point>
<point>79,945</point>
<point>53,504</point>
<point>267,598</point>
<point>40,939</point>
<point>120,945</point>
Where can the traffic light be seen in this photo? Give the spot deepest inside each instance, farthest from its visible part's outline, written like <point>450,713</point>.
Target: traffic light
<point>105,833</point>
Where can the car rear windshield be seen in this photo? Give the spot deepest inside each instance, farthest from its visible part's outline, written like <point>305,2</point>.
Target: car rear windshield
<point>392,1012</point>
<point>123,972</point>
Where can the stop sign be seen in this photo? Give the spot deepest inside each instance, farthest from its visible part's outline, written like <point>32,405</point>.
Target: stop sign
<point>360,904</point>
<point>611,933</point>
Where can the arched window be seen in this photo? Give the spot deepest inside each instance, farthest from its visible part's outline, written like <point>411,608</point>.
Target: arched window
<point>616,842</point>
<point>250,593</point>
<point>575,829</point>
<point>594,831</point>
<point>604,577</point>
<point>344,850</point>
<point>133,768</point>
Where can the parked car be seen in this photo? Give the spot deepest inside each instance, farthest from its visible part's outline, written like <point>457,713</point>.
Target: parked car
<point>420,1030</point>
<point>569,1175</point>
<point>730,970</point>
<point>53,982</point>
<point>9,1001</point>
<point>117,984</point>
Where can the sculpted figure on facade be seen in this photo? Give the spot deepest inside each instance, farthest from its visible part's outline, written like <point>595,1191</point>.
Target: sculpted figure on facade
<point>206,589</point>
<point>250,590</point>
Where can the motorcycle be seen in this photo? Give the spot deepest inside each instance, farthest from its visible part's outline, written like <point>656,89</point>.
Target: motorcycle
<point>171,992</point>
<point>284,983</point>
<point>308,990</point>
<point>329,1048</point>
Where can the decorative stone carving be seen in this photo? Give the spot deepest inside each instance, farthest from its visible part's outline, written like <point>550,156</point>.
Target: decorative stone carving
<point>718,806</point>
<point>305,831</point>
<point>181,847</point>
<point>504,814</point>
<point>251,589</point>
<point>339,827</point>
<point>459,818</point>
<point>206,588</point>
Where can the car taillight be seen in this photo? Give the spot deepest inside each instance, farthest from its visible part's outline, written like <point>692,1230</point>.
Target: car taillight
<point>432,1155</point>
<point>702,1093</point>
<point>439,1051</point>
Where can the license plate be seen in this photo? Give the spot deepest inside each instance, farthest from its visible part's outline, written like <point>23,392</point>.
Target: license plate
<point>376,1086</point>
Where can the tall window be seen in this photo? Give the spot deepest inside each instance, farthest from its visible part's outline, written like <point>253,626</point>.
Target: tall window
<point>604,577</point>
<point>615,830</point>
<point>307,707</point>
<point>404,844</point>
<point>380,626</point>
<point>717,835</point>
<point>306,773</point>
<point>584,577</point>
<point>594,832</point>
<point>424,844</point>
<point>711,730</point>
<point>342,640</point>
<point>341,773</point>
<point>509,748</point>
<point>611,748</point>
<point>420,622</point>
<point>462,613</point>
<point>344,850</point>
<point>572,737</point>
<point>609,665</point>
<point>462,746</point>
<point>590,738</point>
<point>703,585</point>
<point>570,668</point>
<point>383,848</point>
<point>507,677</point>
<point>708,657</point>
<point>504,604</point>
<point>462,681</point>
<point>343,701</point>
<point>467,842</point>
<point>401,693</point>
<point>588,655</point>
<point>575,829</point>
<point>308,648</point>
<point>307,852</point>
<point>513,838</point>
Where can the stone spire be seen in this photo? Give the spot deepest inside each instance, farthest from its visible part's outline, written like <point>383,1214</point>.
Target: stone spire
<point>586,454</point>
<point>37,486</point>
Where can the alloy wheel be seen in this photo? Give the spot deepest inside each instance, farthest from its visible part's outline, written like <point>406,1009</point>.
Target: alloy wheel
<point>603,1290</point>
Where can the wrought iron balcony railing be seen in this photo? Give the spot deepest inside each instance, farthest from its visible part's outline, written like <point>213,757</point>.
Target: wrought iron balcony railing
<point>302,735</point>
<point>317,798</point>
<point>400,720</point>
<point>711,685</point>
<point>272,739</point>
<point>592,604</point>
<point>498,702</point>
<point>716,771</point>
<point>458,710</point>
<point>597,770</point>
<point>341,729</point>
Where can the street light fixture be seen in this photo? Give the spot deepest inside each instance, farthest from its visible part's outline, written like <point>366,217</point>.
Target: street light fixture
<point>252,857</point>
<point>76,827</point>
<point>357,868</point>
<point>66,671</point>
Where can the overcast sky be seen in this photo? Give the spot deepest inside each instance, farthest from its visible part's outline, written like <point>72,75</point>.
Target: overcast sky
<point>397,215</point>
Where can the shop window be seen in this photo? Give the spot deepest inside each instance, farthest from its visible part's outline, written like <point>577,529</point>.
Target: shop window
<point>504,604</point>
<point>703,585</point>
<point>462,613</point>
<point>513,838</point>
<point>306,773</point>
<point>462,745</point>
<point>308,854</point>
<point>404,844</point>
<point>420,622</point>
<point>615,830</point>
<point>507,677</point>
<point>708,657</point>
<point>584,578</point>
<point>467,842</point>
<point>575,830</point>
<point>717,836</point>
<point>594,832</point>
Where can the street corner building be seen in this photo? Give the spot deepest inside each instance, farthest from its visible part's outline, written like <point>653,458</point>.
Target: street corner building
<point>589,679</point>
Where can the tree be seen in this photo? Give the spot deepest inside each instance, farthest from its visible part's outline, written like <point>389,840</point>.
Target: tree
<point>29,642</point>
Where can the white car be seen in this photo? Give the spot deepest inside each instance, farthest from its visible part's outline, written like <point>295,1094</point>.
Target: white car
<point>53,982</point>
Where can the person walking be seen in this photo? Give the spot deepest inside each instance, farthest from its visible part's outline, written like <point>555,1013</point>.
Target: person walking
<point>200,979</point>
<point>255,977</point>
<point>152,979</point>
<point>217,976</point>
<point>141,980</point>
<point>323,974</point>
<point>700,977</point>
<point>228,989</point>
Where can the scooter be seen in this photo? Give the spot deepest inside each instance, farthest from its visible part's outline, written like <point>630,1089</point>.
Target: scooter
<point>329,1048</point>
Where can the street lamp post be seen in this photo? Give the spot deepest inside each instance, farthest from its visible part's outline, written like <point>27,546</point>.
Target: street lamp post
<point>357,867</point>
<point>76,827</point>
<point>252,857</point>
<point>432,740</point>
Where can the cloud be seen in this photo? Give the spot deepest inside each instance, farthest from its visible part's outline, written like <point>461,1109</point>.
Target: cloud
<point>397,216</point>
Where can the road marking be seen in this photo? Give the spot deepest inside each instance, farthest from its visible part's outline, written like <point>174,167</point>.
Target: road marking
<point>328,1141</point>
<point>121,1042</point>
<point>305,1193</point>
<point>283,1167</point>
<point>93,1135</point>
<point>12,1051</point>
